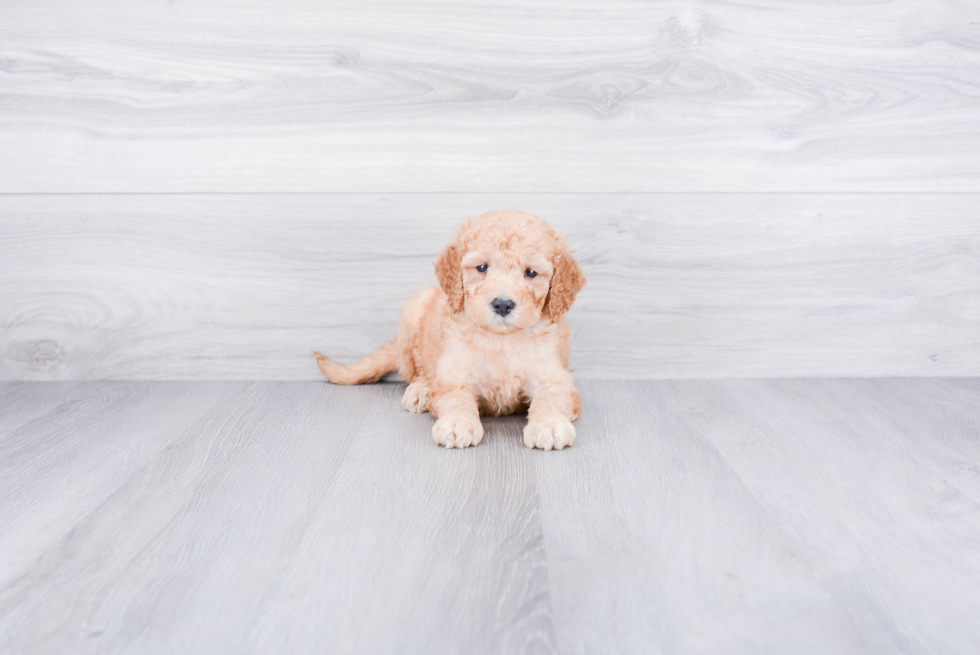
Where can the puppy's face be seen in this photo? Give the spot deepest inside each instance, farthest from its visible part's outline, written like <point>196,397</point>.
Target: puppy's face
<point>504,288</point>
<point>507,270</point>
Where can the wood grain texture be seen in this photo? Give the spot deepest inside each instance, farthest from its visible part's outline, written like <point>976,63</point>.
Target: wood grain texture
<point>270,524</point>
<point>768,516</point>
<point>656,545</point>
<point>23,403</point>
<point>911,554</point>
<point>117,430</point>
<point>747,516</point>
<point>680,285</point>
<point>454,95</point>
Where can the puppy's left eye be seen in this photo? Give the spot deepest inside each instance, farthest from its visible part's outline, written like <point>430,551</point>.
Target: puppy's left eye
<point>482,268</point>
<point>530,273</point>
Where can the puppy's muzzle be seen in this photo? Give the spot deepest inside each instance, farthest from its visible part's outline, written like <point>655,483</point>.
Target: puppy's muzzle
<point>502,306</point>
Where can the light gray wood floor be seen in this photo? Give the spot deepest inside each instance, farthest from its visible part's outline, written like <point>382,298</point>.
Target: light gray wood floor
<point>835,516</point>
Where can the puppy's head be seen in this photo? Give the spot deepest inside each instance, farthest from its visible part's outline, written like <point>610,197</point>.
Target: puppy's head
<point>507,270</point>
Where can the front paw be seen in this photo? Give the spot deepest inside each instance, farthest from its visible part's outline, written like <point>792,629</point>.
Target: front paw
<point>457,431</point>
<point>546,435</point>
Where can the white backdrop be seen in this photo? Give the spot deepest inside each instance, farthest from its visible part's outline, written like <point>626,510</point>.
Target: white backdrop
<point>209,190</point>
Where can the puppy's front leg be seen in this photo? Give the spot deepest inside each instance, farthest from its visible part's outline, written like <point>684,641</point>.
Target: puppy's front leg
<point>459,419</point>
<point>549,418</point>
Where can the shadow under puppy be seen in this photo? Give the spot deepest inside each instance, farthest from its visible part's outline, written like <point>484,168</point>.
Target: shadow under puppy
<point>492,339</point>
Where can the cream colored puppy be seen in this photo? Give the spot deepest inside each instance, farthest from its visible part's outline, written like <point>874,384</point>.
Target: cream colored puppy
<point>492,339</point>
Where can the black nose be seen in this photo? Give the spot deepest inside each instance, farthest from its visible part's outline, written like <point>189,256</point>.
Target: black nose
<point>502,306</point>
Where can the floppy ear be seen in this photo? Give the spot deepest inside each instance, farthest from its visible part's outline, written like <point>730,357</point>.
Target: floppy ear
<point>450,275</point>
<point>566,282</point>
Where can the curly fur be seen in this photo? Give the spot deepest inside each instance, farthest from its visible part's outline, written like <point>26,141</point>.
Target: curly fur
<point>462,358</point>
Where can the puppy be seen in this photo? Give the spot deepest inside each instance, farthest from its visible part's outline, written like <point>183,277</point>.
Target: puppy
<point>492,339</point>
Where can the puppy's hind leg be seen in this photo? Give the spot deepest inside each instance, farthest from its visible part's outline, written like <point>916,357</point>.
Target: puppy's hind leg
<point>417,397</point>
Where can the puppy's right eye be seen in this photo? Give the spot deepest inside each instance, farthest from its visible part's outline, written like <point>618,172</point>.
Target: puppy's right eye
<point>482,268</point>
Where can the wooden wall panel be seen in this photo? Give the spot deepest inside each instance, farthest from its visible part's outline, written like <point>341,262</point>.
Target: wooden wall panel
<point>209,189</point>
<point>680,285</point>
<point>462,96</point>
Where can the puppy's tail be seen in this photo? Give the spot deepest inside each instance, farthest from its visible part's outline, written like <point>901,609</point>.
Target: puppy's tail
<point>369,369</point>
